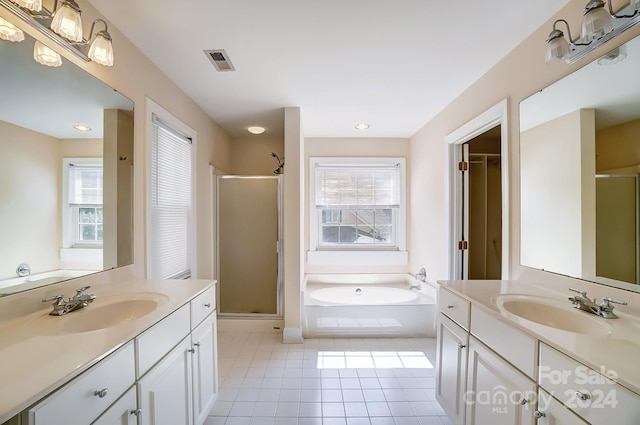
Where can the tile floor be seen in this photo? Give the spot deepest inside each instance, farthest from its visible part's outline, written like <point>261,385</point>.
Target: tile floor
<point>355,381</point>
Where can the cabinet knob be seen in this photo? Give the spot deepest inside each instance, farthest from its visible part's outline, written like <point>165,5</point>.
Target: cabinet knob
<point>523,401</point>
<point>101,393</point>
<point>191,350</point>
<point>197,344</point>
<point>538,414</point>
<point>582,396</point>
<point>136,412</point>
<point>461,346</point>
<point>208,305</point>
<point>450,306</point>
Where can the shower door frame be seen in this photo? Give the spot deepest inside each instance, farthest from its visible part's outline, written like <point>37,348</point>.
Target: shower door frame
<point>279,245</point>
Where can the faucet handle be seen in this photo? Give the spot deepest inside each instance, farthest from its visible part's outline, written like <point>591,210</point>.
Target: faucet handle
<point>579,291</point>
<point>607,300</point>
<point>58,299</point>
<point>81,290</point>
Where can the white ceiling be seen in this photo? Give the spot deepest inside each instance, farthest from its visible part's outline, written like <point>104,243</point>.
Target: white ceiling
<point>392,64</point>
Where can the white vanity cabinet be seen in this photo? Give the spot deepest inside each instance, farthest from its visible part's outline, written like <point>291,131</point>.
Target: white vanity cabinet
<point>552,412</point>
<point>166,375</point>
<point>451,353</point>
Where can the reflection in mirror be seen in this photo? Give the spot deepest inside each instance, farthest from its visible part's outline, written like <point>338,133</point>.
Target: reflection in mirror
<point>66,193</point>
<point>580,159</point>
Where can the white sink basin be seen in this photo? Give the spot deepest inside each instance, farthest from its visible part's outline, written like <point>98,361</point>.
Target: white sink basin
<point>552,313</point>
<point>101,314</point>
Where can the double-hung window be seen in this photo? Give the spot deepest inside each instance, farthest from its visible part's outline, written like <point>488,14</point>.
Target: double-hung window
<point>358,205</point>
<point>170,211</point>
<point>83,198</point>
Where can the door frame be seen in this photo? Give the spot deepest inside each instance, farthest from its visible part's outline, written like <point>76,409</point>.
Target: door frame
<point>494,116</point>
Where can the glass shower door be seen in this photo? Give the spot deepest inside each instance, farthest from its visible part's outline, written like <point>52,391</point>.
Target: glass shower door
<point>248,246</point>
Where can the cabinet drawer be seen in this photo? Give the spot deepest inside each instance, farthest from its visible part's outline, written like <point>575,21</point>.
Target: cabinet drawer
<point>554,412</point>
<point>605,402</point>
<point>514,345</point>
<point>79,402</point>
<point>158,340</point>
<point>122,412</point>
<point>202,306</point>
<point>454,307</point>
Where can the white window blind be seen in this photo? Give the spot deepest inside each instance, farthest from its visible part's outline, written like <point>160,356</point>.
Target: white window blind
<point>350,186</point>
<point>85,184</point>
<point>168,252</point>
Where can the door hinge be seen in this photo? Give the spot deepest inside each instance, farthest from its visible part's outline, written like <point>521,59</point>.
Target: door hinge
<point>462,245</point>
<point>463,166</point>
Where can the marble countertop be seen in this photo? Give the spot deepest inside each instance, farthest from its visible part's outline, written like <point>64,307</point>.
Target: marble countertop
<point>34,363</point>
<point>616,354</point>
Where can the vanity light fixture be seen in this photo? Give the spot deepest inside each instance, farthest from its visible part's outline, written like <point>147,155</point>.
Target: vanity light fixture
<point>46,56</point>
<point>256,129</point>
<point>599,25</point>
<point>63,25</point>
<point>10,32</point>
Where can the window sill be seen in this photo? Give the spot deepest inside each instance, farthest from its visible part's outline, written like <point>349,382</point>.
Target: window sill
<point>364,258</point>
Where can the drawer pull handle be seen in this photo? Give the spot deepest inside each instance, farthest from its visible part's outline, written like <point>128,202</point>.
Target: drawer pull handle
<point>523,401</point>
<point>583,396</point>
<point>538,414</point>
<point>197,344</point>
<point>208,305</point>
<point>191,350</point>
<point>461,346</point>
<point>450,306</point>
<point>101,393</point>
<point>136,412</point>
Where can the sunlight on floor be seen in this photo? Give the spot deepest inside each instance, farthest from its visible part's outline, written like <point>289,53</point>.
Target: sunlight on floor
<point>373,360</point>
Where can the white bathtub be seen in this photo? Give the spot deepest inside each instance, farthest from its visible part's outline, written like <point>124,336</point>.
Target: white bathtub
<point>18,284</point>
<point>372,305</point>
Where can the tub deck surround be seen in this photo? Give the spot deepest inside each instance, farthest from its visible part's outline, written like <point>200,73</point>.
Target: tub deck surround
<point>614,354</point>
<point>34,363</point>
<point>373,305</point>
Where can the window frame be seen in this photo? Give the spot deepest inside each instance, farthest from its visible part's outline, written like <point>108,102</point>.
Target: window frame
<point>367,254</point>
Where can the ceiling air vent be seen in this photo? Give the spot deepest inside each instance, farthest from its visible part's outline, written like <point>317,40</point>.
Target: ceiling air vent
<point>220,60</point>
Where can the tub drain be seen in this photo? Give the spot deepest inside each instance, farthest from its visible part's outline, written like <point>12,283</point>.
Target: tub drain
<point>358,291</point>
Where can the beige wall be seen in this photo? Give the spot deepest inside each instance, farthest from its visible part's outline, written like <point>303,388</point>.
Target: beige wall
<point>252,155</point>
<point>520,74</point>
<point>617,147</point>
<point>136,77</point>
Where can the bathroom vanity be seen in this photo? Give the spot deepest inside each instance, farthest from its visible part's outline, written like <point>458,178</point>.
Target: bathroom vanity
<point>512,353</point>
<point>143,352</point>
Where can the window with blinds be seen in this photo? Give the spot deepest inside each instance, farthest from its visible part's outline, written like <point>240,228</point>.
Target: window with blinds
<point>169,229</point>
<point>357,204</point>
<point>85,199</point>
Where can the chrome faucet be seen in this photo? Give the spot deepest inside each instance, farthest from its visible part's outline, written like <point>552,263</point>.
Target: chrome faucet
<point>78,301</point>
<point>604,309</point>
<point>421,276</point>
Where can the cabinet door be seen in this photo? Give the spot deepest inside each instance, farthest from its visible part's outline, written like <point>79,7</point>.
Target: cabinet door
<point>122,412</point>
<point>205,370</point>
<point>165,391</point>
<point>497,393</point>
<point>452,368</point>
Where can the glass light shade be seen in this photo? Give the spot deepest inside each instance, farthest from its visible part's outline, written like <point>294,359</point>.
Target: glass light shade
<point>596,23</point>
<point>34,5</point>
<point>557,49</point>
<point>45,56</point>
<point>9,32</point>
<point>614,56</point>
<point>67,23</point>
<point>101,50</point>
<point>635,5</point>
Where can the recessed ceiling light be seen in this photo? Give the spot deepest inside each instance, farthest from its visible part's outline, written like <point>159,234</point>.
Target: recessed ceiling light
<point>362,126</point>
<point>82,127</point>
<point>256,130</point>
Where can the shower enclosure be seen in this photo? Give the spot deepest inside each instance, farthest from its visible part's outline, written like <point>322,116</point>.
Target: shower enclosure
<point>249,246</point>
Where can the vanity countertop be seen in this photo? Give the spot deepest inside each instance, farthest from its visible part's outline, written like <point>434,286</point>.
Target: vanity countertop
<point>33,364</point>
<point>615,354</point>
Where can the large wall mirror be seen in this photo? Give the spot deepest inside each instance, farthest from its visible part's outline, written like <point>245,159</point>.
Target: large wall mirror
<point>580,161</point>
<point>66,194</point>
